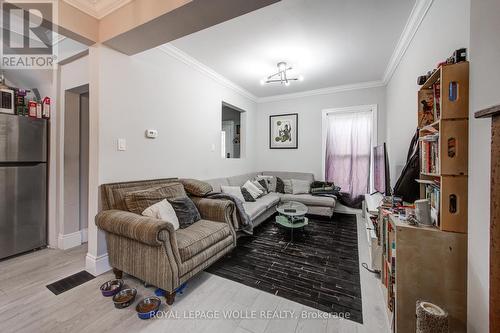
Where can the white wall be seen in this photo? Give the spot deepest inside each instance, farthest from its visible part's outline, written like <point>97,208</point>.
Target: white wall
<point>444,29</point>
<point>307,158</point>
<point>152,90</point>
<point>484,92</point>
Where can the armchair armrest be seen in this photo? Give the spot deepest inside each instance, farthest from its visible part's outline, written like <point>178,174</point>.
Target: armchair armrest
<point>214,209</point>
<point>140,228</point>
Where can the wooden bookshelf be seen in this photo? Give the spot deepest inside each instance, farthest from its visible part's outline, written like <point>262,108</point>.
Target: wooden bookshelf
<point>443,111</point>
<point>421,263</point>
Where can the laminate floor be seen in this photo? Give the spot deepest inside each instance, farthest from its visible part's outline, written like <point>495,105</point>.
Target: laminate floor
<point>26,305</point>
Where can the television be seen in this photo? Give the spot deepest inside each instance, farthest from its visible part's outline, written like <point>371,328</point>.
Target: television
<point>381,177</point>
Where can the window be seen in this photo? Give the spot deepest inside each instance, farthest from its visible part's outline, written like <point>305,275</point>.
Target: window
<point>348,138</point>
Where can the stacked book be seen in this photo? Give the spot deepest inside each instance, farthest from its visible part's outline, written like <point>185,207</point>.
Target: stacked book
<point>429,145</point>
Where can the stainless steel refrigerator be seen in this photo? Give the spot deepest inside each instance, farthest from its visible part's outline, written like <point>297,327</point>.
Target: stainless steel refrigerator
<point>23,184</point>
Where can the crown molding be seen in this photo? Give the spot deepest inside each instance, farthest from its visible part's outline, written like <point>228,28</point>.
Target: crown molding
<point>417,15</point>
<point>322,91</point>
<point>97,8</point>
<point>195,64</point>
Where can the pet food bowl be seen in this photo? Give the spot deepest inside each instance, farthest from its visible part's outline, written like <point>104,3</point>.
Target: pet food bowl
<point>148,307</point>
<point>111,287</point>
<point>124,298</point>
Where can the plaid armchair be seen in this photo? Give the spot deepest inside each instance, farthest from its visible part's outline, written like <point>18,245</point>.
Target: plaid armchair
<point>151,249</point>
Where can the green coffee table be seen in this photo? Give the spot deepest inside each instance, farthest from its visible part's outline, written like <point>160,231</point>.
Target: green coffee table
<point>292,216</point>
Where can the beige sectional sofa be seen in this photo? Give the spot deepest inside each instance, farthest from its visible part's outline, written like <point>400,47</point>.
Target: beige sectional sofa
<point>265,206</point>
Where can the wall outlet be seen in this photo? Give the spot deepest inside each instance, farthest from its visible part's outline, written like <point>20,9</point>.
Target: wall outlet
<point>151,133</point>
<point>122,144</point>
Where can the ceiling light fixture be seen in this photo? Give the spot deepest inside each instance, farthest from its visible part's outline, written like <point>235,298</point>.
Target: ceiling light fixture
<point>281,75</point>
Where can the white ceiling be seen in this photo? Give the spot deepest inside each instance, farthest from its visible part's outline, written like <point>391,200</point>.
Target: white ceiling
<point>330,42</point>
<point>97,8</point>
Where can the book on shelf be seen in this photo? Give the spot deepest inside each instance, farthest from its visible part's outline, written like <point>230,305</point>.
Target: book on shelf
<point>429,145</point>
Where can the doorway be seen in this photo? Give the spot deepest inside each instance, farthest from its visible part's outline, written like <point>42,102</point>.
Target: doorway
<point>76,167</point>
<point>231,131</point>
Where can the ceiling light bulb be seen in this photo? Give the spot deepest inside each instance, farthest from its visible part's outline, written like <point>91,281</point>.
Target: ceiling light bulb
<point>301,78</point>
<point>262,82</point>
<point>282,66</point>
<point>287,83</point>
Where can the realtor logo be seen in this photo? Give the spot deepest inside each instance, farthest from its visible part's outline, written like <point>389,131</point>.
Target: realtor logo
<point>27,34</point>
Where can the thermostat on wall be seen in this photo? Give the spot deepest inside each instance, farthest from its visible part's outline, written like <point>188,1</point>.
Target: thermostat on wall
<point>151,133</point>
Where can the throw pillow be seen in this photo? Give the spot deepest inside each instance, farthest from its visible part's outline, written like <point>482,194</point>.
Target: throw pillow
<point>186,211</point>
<point>164,211</point>
<point>287,186</point>
<point>246,195</point>
<point>300,186</point>
<point>263,184</point>
<point>196,187</point>
<point>280,185</point>
<point>254,190</point>
<point>270,180</point>
<point>235,191</point>
<point>137,201</point>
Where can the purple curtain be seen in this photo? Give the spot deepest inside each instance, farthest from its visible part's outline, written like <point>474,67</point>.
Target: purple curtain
<point>348,149</point>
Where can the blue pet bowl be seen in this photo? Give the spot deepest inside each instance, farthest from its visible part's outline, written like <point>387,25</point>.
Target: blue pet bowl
<point>148,307</point>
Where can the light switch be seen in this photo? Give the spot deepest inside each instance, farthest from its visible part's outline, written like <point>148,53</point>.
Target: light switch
<point>122,144</point>
<point>151,133</point>
<point>212,147</point>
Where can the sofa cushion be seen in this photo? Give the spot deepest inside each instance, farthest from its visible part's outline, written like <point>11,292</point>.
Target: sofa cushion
<point>241,179</point>
<point>196,187</point>
<point>247,195</point>
<point>254,209</point>
<point>270,182</point>
<point>164,211</point>
<point>310,200</point>
<point>186,211</point>
<point>301,186</point>
<point>200,236</point>
<point>235,191</point>
<point>253,189</point>
<point>138,201</point>
<point>270,199</point>
<point>217,183</point>
<point>290,175</point>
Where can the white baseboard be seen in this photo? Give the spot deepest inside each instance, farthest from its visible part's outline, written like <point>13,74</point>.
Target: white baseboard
<point>85,235</point>
<point>97,265</point>
<point>68,241</point>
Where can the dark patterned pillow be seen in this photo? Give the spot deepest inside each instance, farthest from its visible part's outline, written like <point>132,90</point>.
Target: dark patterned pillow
<point>280,185</point>
<point>186,211</point>
<point>248,197</point>
<point>263,184</point>
<point>196,187</point>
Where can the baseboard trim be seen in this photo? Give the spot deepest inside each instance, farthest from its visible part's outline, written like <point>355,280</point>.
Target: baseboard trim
<point>67,241</point>
<point>97,265</point>
<point>85,235</point>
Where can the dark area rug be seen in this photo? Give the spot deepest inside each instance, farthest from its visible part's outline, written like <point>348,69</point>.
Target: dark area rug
<point>319,268</point>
